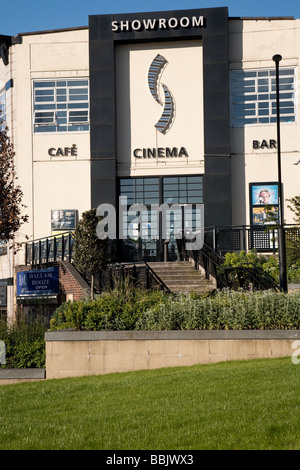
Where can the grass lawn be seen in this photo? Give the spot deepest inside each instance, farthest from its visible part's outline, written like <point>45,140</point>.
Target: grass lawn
<point>234,405</point>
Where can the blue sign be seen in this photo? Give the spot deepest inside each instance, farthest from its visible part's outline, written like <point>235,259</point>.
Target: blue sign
<point>37,283</point>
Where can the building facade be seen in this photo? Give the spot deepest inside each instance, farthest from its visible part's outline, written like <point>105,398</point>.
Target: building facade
<point>175,107</point>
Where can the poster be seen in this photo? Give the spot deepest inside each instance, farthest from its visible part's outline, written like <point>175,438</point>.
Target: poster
<point>63,219</point>
<point>264,215</point>
<point>263,194</point>
<point>264,201</point>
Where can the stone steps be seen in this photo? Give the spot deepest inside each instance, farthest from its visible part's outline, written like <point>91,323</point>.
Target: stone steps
<point>181,277</point>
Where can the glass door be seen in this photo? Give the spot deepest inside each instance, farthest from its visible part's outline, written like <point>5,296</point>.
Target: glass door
<point>167,207</point>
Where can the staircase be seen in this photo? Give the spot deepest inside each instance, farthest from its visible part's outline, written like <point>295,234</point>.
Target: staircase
<point>181,277</point>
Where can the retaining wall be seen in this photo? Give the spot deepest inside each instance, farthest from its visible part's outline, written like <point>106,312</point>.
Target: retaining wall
<point>79,353</point>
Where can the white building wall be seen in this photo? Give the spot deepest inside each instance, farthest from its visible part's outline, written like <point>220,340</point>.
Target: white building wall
<point>252,46</point>
<point>49,182</point>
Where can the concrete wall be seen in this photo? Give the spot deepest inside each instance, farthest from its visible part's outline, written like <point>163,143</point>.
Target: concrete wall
<point>73,354</point>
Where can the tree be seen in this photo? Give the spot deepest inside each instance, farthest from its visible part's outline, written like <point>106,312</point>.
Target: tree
<point>293,242</point>
<point>11,217</point>
<point>295,207</point>
<point>91,253</point>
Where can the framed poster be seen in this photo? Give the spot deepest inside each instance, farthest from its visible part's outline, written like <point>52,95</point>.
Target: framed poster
<point>264,215</point>
<point>263,203</point>
<point>63,219</point>
<point>264,194</point>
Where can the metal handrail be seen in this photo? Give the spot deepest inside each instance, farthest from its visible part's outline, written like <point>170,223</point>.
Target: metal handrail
<point>253,272</point>
<point>47,249</point>
<point>149,268</point>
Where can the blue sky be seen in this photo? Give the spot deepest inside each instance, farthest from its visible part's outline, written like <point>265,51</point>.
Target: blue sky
<point>20,16</point>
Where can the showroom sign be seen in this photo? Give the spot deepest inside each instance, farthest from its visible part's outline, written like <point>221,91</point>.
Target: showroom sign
<point>158,23</point>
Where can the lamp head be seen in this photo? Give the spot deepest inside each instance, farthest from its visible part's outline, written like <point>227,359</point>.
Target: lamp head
<point>277,57</point>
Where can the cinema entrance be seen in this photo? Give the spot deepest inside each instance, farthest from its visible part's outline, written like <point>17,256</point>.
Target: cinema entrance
<point>155,211</point>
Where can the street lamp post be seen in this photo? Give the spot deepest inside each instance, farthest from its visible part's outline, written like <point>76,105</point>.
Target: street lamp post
<point>281,233</point>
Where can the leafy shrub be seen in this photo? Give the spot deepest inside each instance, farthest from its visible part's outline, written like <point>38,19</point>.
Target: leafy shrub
<point>115,310</point>
<point>24,344</point>
<point>269,264</point>
<point>225,310</point>
<point>141,310</point>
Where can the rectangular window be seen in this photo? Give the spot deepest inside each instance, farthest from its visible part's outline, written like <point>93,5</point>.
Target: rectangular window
<point>253,96</point>
<point>61,105</point>
<point>182,190</point>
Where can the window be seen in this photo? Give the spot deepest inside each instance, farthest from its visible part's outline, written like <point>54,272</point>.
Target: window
<point>140,190</point>
<point>253,96</point>
<point>182,190</point>
<point>61,105</point>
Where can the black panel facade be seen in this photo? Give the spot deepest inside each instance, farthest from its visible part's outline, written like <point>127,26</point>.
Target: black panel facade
<point>214,34</point>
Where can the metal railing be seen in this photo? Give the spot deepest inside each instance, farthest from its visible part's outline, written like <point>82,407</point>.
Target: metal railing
<point>217,242</point>
<point>245,276</point>
<point>50,250</point>
<point>138,274</point>
<point>247,238</point>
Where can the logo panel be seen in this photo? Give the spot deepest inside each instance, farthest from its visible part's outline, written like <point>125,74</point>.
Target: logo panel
<point>154,81</point>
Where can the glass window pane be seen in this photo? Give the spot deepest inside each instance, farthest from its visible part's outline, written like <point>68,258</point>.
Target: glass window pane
<point>168,187</point>
<point>77,83</point>
<point>44,84</point>
<point>148,181</point>
<point>169,180</point>
<point>262,89</point>
<point>264,120</point>
<point>151,187</point>
<point>195,179</point>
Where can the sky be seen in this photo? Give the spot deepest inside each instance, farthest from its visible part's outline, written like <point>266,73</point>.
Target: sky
<point>20,16</point>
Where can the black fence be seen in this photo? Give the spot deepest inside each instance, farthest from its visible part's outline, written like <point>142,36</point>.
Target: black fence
<point>50,250</point>
<point>247,238</point>
<point>218,241</point>
<point>138,274</point>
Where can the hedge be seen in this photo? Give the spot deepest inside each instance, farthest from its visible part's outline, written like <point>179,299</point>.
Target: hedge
<point>142,310</point>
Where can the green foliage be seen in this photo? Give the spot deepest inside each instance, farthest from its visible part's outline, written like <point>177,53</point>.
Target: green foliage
<point>225,310</point>
<point>91,253</point>
<point>293,244</point>
<point>115,310</point>
<point>11,195</point>
<point>294,206</point>
<point>269,264</point>
<point>136,309</point>
<point>24,344</point>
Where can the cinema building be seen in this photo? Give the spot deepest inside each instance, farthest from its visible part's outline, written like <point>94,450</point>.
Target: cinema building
<point>172,107</point>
